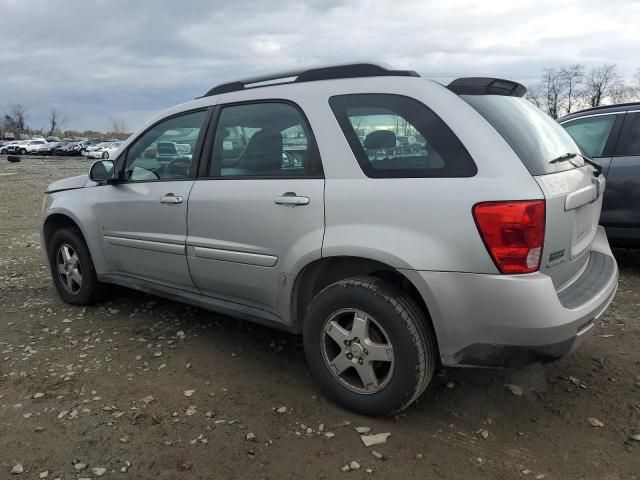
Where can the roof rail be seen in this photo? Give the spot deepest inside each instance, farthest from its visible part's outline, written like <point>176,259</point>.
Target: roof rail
<point>351,70</point>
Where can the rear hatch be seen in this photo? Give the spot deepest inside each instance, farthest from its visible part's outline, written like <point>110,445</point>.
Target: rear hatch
<point>572,191</point>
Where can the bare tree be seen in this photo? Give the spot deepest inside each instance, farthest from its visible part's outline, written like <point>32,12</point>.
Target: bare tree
<point>621,93</point>
<point>119,126</point>
<point>599,83</point>
<point>16,118</point>
<point>553,91</point>
<point>571,76</point>
<point>534,95</point>
<point>56,119</point>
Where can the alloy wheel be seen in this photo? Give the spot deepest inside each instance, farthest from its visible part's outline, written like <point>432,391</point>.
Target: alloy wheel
<point>357,351</point>
<point>69,270</point>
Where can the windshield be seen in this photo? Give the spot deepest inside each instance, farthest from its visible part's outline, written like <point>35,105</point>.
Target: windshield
<point>533,135</point>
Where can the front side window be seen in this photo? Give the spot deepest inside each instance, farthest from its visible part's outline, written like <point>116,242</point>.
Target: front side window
<point>266,139</point>
<point>166,150</point>
<point>591,133</point>
<point>397,136</point>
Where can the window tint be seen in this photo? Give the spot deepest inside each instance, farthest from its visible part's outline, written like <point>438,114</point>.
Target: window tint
<point>165,151</point>
<point>591,133</point>
<point>533,135</point>
<point>396,136</point>
<point>261,140</point>
<point>630,138</point>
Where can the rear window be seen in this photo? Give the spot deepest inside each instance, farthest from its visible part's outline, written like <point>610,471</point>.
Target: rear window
<point>393,136</point>
<point>533,135</point>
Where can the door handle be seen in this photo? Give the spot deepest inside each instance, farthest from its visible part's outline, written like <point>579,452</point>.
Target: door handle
<point>290,198</point>
<point>171,199</point>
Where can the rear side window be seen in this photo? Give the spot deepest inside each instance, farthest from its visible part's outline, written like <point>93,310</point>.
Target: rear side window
<point>396,136</point>
<point>591,133</point>
<point>630,138</point>
<point>533,135</point>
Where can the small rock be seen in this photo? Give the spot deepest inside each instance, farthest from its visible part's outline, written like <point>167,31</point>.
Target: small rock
<point>17,469</point>
<point>368,470</point>
<point>526,471</point>
<point>251,437</point>
<point>80,466</point>
<point>148,399</point>
<point>362,429</point>
<point>635,438</point>
<point>378,455</point>
<point>329,434</point>
<point>594,422</point>
<point>345,468</point>
<point>450,385</point>
<point>281,410</point>
<point>377,439</point>
<point>114,311</point>
<point>98,471</point>
<point>514,389</point>
<point>419,456</point>
<point>189,393</point>
<point>191,410</point>
<point>125,439</point>
<point>484,433</point>
<point>38,395</point>
<point>44,474</point>
<point>354,465</point>
<point>157,354</point>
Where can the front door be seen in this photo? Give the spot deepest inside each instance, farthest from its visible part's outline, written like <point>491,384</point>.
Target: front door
<point>143,218</point>
<point>258,215</point>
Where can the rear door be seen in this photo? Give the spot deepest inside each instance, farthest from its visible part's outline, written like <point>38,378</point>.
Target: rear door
<point>143,218</point>
<point>257,213</point>
<point>623,181</point>
<point>573,193</point>
<point>597,136</point>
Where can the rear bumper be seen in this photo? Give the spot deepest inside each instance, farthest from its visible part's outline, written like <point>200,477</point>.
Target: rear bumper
<point>515,320</point>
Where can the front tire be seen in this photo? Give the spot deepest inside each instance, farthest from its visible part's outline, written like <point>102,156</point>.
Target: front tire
<point>369,345</point>
<point>23,151</point>
<point>72,269</point>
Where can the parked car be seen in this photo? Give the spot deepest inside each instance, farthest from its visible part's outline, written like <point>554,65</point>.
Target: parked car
<point>482,249</point>
<point>110,150</point>
<point>48,148</point>
<point>32,146</point>
<point>611,135</point>
<point>71,149</point>
<point>92,148</point>
<point>13,148</point>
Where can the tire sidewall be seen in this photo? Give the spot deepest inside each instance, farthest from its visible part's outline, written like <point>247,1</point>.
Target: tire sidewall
<point>403,383</point>
<point>86,295</point>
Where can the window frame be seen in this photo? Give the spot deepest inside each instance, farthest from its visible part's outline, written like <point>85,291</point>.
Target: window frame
<point>614,135</point>
<point>313,166</point>
<point>360,154</point>
<point>630,118</point>
<point>121,161</point>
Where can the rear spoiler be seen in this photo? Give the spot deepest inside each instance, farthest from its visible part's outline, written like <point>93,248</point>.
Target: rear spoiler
<point>486,86</point>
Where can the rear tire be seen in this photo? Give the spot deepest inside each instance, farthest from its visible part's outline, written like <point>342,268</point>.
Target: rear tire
<point>72,269</point>
<point>399,347</point>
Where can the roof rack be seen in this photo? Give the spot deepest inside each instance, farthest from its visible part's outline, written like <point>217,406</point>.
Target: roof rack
<point>351,70</point>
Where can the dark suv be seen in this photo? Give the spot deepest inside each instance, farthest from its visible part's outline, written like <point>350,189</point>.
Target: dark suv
<point>611,135</point>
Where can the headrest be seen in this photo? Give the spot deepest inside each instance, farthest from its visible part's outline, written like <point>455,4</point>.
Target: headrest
<point>380,139</point>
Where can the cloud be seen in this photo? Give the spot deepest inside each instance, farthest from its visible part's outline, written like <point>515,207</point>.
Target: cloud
<point>94,60</point>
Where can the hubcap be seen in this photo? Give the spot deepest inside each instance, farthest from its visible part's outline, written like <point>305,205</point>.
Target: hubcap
<point>69,269</point>
<point>357,351</point>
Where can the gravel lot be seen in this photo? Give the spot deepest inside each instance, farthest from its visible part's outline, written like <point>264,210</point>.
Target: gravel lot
<point>143,388</point>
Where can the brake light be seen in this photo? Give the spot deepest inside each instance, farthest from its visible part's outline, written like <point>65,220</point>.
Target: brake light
<point>513,233</point>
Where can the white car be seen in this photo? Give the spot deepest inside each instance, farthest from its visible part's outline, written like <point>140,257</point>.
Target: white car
<point>31,146</point>
<point>104,150</point>
<point>93,148</point>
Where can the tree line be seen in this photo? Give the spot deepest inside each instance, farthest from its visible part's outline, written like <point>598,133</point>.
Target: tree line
<point>566,89</point>
<point>14,120</point>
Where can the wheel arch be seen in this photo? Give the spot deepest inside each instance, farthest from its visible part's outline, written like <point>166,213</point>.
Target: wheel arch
<point>323,272</point>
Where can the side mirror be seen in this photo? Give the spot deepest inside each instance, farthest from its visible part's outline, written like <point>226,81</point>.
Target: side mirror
<point>102,172</point>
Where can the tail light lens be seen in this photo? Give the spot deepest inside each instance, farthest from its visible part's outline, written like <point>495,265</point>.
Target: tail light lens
<point>513,233</point>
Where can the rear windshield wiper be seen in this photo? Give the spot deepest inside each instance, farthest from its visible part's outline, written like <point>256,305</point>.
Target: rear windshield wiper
<point>567,156</point>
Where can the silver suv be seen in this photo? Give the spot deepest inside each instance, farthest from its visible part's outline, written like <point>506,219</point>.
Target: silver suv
<point>292,202</point>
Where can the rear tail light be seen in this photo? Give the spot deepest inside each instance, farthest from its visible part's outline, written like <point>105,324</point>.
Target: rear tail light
<point>513,233</point>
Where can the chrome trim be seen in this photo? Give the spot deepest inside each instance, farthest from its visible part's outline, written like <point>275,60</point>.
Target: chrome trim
<point>592,115</point>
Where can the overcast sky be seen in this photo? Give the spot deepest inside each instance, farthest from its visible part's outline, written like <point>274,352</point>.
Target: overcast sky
<point>97,59</point>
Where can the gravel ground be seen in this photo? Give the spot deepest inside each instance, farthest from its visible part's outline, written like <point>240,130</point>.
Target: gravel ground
<point>139,387</point>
